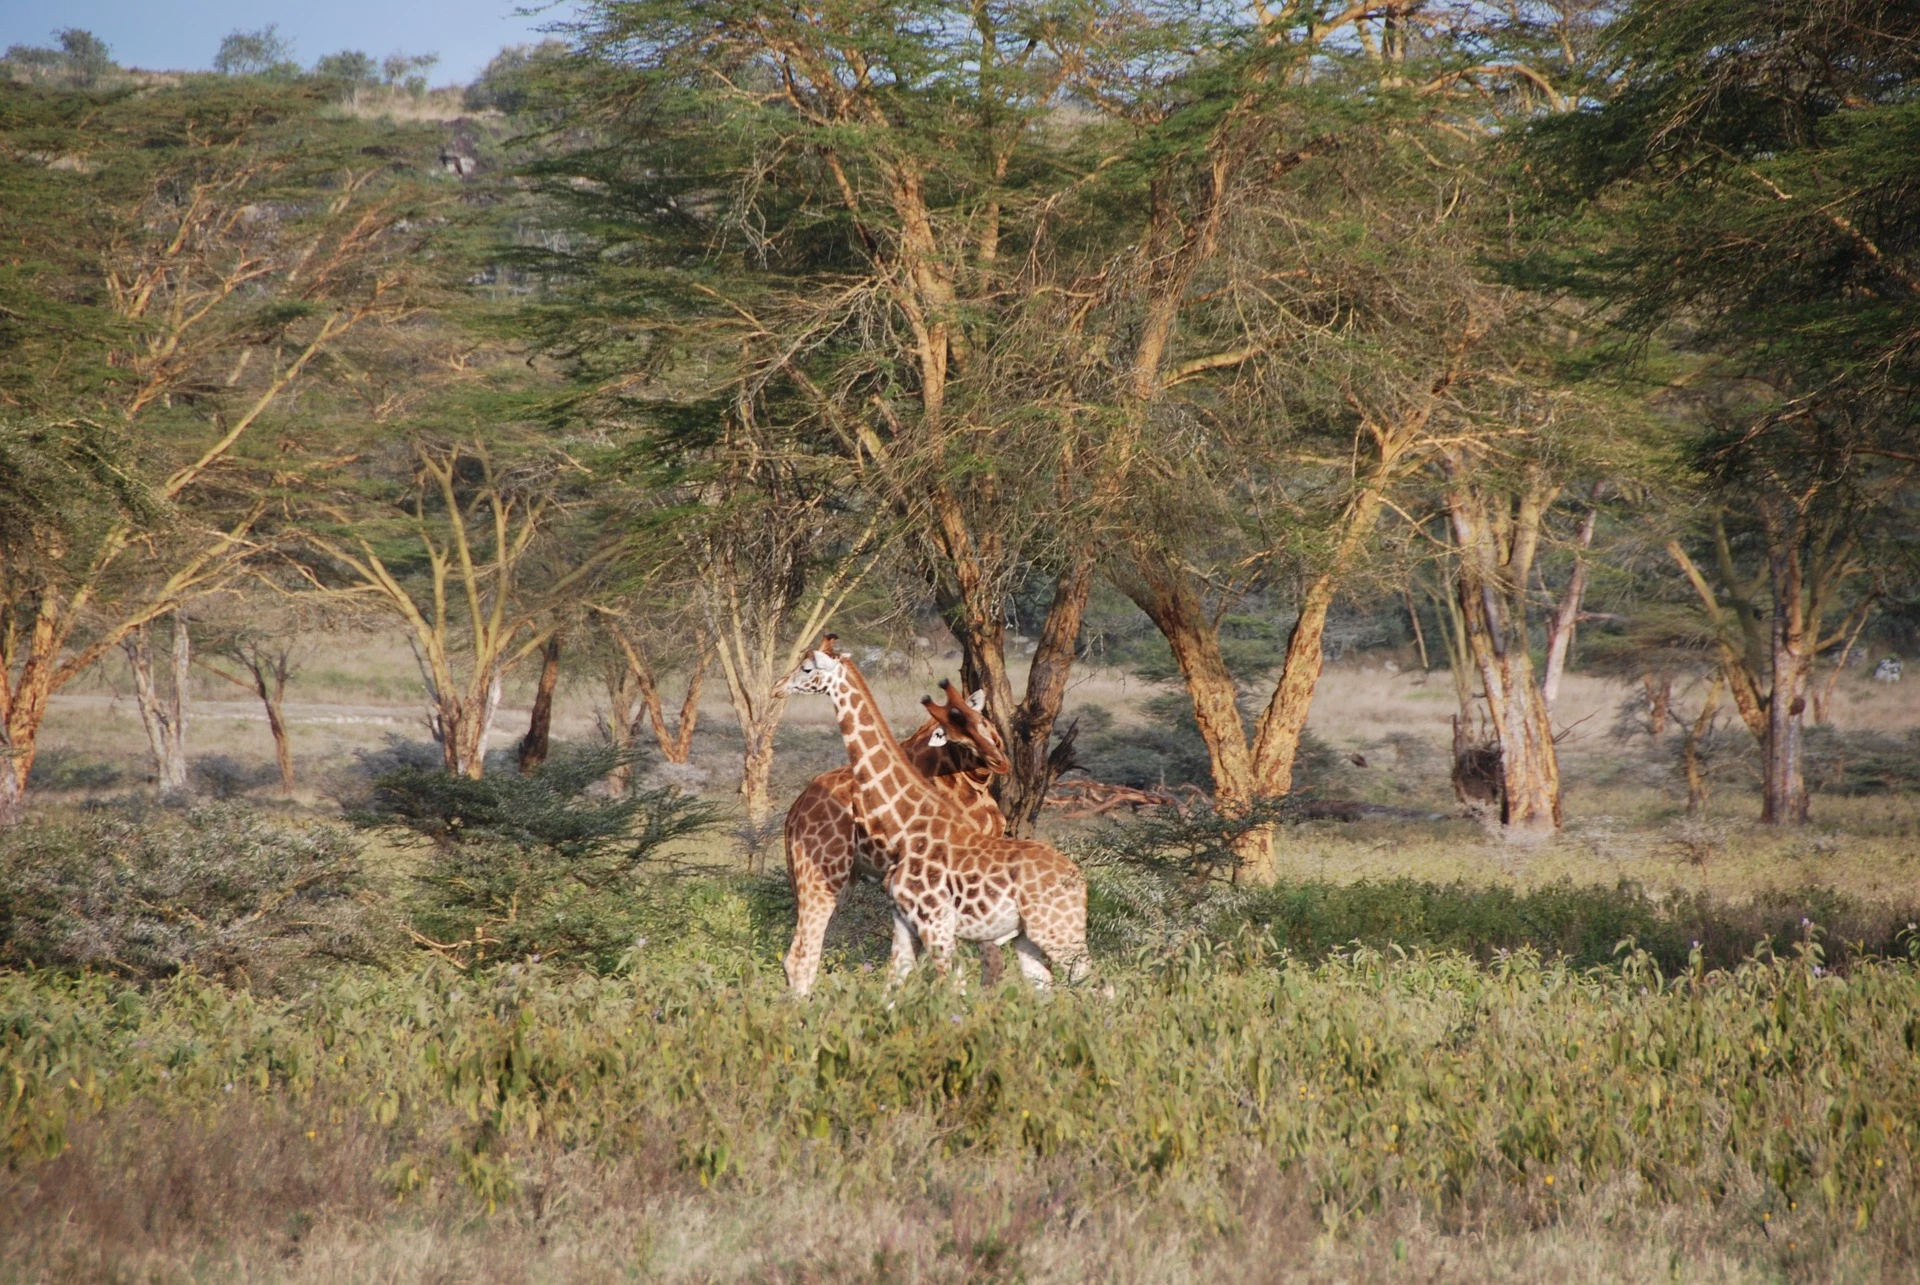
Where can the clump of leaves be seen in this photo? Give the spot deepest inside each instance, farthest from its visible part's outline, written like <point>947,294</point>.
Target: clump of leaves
<point>224,890</point>
<point>534,866</point>
<point>1197,838</point>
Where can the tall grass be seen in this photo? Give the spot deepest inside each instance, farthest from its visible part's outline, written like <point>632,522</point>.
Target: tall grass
<point>1770,1094</point>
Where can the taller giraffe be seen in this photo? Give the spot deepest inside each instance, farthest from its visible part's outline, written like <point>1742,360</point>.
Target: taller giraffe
<point>948,883</point>
<point>827,846</point>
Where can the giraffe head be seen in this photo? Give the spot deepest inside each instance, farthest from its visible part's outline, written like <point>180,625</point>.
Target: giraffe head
<point>960,722</point>
<point>819,669</point>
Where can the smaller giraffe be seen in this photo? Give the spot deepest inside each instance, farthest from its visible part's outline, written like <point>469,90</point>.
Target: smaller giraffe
<point>949,884</point>
<point>827,846</point>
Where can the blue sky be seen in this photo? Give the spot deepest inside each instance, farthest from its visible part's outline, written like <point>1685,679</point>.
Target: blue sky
<point>182,35</point>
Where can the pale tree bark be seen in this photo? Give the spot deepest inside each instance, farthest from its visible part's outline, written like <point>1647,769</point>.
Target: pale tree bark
<point>761,621</point>
<point>1566,613</point>
<point>1497,537</point>
<point>481,575</point>
<point>163,705</point>
<point>1696,732</point>
<point>633,686</point>
<point>1659,690</point>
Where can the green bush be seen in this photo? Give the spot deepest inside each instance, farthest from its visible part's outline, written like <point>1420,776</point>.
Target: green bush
<point>530,866</point>
<point>1372,1079</point>
<point>1143,895</point>
<point>223,890</point>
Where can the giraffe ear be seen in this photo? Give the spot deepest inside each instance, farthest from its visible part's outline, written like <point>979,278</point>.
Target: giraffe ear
<point>978,700</point>
<point>938,738</point>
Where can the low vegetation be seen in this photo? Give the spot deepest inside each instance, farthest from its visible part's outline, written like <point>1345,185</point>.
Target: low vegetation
<point>1312,1078</point>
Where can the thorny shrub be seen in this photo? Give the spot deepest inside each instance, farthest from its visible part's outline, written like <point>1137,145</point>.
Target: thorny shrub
<point>146,892</point>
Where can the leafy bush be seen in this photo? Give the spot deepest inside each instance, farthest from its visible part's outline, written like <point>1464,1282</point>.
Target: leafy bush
<point>1372,1080</point>
<point>531,866</point>
<point>1141,896</point>
<point>147,893</point>
<point>512,80</point>
<point>72,770</point>
<point>1854,763</point>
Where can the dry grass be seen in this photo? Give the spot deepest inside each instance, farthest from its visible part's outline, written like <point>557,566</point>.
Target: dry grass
<point>358,691</point>
<point>245,1194</point>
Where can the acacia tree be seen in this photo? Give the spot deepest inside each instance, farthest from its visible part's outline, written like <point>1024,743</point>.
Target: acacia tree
<point>872,184</point>
<point>466,557</point>
<point>631,678</point>
<point>1305,317</point>
<point>234,240</point>
<point>1745,180</point>
<point>772,555</point>
<point>1792,576</point>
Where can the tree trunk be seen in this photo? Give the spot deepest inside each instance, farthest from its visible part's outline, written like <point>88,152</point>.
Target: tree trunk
<point>1245,773</point>
<point>465,726</point>
<point>534,745</point>
<point>270,684</point>
<point>163,712</point>
<point>1784,786</point>
<point>1036,761</point>
<point>1162,591</point>
<point>675,742</point>
<point>620,722</point>
<point>1690,747</point>
<point>1497,538</point>
<point>1566,616</point>
<point>756,773</point>
<point>282,744</point>
<point>1659,689</point>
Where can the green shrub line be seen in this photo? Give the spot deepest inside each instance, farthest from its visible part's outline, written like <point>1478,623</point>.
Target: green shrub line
<point>1584,925</point>
<point>1377,1076</point>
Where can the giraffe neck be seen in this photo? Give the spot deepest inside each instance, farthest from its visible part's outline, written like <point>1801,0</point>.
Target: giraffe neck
<point>889,786</point>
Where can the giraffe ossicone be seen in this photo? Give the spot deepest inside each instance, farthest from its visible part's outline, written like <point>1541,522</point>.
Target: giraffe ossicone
<point>948,883</point>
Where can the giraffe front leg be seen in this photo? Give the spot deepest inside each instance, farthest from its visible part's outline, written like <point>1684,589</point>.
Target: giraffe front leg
<point>816,905</point>
<point>900,962</point>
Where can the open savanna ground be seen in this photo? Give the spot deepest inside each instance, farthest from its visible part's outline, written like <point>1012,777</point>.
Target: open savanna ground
<point>1658,1045</point>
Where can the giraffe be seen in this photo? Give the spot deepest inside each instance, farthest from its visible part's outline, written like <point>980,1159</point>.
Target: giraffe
<point>948,883</point>
<point>827,846</point>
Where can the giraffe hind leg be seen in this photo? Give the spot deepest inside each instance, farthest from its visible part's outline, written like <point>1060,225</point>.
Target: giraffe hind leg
<point>1063,939</point>
<point>1033,964</point>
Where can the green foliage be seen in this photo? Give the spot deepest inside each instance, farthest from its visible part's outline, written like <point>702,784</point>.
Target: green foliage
<point>81,60</point>
<point>350,67</point>
<point>532,865</point>
<point>1374,1079</point>
<point>256,53</point>
<point>222,891</point>
<point>1753,173</point>
<point>513,80</point>
<point>1143,897</point>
